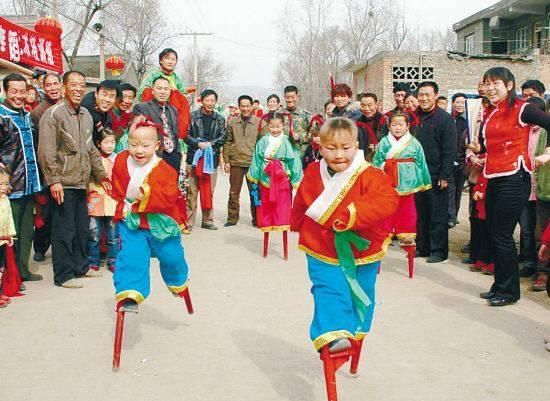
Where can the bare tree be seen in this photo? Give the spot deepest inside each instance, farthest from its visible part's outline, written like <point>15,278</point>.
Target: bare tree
<point>211,73</point>
<point>398,33</point>
<point>137,28</point>
<point>23,7</point>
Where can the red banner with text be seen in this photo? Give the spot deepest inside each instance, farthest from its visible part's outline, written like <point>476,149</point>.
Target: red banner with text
<point>23,46</point>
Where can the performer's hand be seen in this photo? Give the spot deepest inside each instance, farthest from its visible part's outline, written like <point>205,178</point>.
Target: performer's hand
<point>140,195</point>
<point>443,184</point>
<point>371,146</point>
<point>542,160</point>
<point>475,146</point>
<point>57,193</point>
<point>227,168</point>
<point>477,162</point>
<point>106,184</point>
<point>203,145</point>
<point>478,196</point>
<point>544,252</point>
<point>10,241</point>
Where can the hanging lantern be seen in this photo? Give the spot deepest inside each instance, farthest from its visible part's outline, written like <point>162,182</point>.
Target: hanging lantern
<point>115,64</point>
<point>48,26</point>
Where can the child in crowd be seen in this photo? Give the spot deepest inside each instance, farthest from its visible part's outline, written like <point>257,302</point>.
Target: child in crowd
<point>401,156</point>
<point>7,226</point>
<point>101,207</point>
<point>146,190</point>
<point>31,99</point>
<point>480,248</point>
<point>341,201</point>
<point>313,151</point>
<point>276,167</point>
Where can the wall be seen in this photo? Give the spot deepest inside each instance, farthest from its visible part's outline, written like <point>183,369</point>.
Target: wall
<point>450,73</point>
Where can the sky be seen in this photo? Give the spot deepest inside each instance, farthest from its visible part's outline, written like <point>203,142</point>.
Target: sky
<point>246,36</point>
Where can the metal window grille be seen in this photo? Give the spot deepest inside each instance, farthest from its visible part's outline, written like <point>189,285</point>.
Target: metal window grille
<point>411,75</point>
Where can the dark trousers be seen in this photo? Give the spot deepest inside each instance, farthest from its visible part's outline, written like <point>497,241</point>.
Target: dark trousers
<point>480,246</point>
<point>23,218</point>
<point>432,227</point>
<point>527,243</point>
<point>455,193</point>
<point>236,177</point>
<point>506,199</point>
<point>70,225</point>
<point>43,235</point>
<point>543,217</point>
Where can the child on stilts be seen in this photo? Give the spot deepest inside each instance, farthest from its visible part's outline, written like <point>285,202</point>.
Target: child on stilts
<point>401,156</point>
<point>275,168</point>
<point>339,210</point>
<point>149,220</point>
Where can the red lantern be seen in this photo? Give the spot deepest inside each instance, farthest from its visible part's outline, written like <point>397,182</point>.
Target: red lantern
<point>116,64</point>
<point>48,26</point>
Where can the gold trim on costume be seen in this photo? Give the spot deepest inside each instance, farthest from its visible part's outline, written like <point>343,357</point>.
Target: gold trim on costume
<point>176,289</point>
<point>275,228</point>
<point>359,335</point>
<point>361,261</point>
<point>343,193</point>
<point>352,219</point>
<point>130,294</point>
<point>415,190</point>
<point>146,189</point>
<point>327,338</point>
<point>406,235</point>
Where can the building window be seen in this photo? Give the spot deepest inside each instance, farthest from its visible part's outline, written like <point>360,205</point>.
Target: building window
<point>469,44</point>
<point>521,38</point>
<point>412,75</point>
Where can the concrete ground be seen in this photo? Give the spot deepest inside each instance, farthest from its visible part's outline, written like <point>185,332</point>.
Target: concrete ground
<point>432,338</point>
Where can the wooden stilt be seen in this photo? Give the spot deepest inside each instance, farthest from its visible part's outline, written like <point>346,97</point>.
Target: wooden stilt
<point>411,251</point>
<point>285,244</point>
<point>118,338</point>
<point>333,361</point>
<point>187,298</point>
<point>266,243</point>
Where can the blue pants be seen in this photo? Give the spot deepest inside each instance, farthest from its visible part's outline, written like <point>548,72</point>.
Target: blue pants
<point>98,225</point>
<point>334,315</point>
<point>132,279</point>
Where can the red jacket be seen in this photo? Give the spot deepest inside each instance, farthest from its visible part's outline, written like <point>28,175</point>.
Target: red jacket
<point>368,202</point>
<point>160,191</point>
<point>506,140</point>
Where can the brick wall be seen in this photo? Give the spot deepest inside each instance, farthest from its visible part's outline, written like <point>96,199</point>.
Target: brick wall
<point>451,73</point>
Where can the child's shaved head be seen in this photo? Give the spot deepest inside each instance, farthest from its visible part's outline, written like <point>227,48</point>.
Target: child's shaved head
<point>337,126</point>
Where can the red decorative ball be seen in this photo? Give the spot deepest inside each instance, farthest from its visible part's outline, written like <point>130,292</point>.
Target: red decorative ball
<point>48,26</point>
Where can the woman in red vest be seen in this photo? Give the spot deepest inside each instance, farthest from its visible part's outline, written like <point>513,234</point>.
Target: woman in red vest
<point>508,169</point>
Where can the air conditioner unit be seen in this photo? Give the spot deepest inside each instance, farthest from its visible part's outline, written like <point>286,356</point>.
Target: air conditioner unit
<point>494,22</point>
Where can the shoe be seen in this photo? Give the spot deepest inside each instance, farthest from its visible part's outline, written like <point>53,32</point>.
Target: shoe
<point>39,257</point>
<point>129,306</point>
<point>527,271</point>
<point>468,261</point>
<point>477,266</point>
<point>407,241</point>
<point>451,224</point>
<point>94,268</point>
<point>489,269</point>
<point>22,287</point>
<point>33,277</point>
<point>229,224</point>
<point>186,231</point>
<point>487,295</point>
<point>5,298</point>
<point>111,268</point>
<point>3,303</point>
<point>466,248</point>
<point>93,274</point>
<point>499,300</point>
<point>419,254</point>
<point>540,283</point>
<point>209,226</point>
<point>254,224</point>
<point>72,283</point>
<point>435,259</point>
<point>339,345</point>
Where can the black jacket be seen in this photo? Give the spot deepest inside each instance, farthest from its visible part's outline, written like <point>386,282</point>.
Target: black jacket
<point>437,135</point>
<point>217,135</point>
<point>153,110</point>
<point>101,119</point>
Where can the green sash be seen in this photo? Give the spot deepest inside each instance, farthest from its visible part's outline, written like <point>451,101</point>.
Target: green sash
<point>162,227</point>
<point>343,242</point>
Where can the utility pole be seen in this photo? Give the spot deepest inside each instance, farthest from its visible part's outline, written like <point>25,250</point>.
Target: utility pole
<point>196,60</point>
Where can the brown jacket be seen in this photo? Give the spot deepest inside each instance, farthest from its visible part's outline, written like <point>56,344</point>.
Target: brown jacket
<point>241,141</point>
<point>65,149</point>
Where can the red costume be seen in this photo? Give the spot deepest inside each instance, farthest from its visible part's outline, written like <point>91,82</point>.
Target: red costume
<point>363,205</point>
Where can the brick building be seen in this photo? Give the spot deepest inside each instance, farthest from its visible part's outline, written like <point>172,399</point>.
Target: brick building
<point>454,72</point>
<point>511,33</point>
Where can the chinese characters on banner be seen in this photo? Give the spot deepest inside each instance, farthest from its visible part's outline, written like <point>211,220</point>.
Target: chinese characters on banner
<point>23,46</point>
